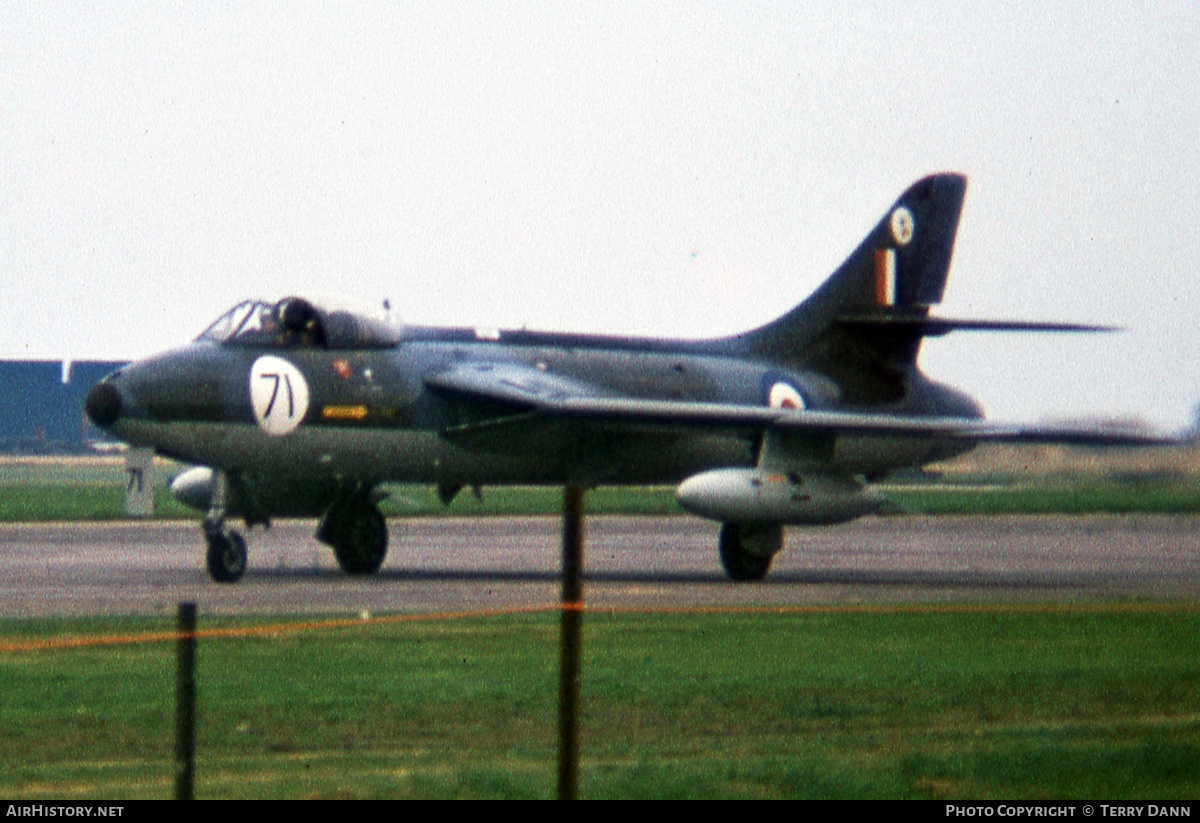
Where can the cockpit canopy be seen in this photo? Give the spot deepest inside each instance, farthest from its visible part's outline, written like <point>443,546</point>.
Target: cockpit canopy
<point>298,322</point>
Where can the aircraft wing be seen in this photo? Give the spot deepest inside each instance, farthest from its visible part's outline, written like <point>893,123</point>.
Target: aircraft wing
<point>534,395</point>
<point>719,415</point>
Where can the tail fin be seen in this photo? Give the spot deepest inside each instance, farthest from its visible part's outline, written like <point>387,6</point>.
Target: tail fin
<point>863,325</point>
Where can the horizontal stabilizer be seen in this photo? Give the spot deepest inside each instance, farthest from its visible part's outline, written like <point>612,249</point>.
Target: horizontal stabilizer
<point>937,326</point>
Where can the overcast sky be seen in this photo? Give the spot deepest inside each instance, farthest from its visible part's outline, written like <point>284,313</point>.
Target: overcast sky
<point>683,169</point>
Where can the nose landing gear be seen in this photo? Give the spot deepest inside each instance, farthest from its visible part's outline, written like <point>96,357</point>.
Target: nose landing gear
<point>226,554</point>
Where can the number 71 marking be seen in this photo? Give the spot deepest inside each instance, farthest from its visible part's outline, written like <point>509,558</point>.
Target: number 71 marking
<point>287,382</point>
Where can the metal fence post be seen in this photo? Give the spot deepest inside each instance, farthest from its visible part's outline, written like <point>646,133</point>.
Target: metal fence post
<point>185,702</point>
<point>571,621</point>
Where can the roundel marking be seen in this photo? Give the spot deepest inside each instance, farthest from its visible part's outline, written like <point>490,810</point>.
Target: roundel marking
<point>784,396</point>
<point>903,225</point>
<point>279,395</point>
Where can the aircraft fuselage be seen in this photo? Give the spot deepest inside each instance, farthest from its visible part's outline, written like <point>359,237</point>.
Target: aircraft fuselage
<point>369,416</point>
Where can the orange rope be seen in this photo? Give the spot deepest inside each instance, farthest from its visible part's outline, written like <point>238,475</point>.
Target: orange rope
<point>859,608</point>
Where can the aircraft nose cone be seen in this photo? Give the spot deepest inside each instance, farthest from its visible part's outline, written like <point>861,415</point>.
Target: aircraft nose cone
<point>103,405</point>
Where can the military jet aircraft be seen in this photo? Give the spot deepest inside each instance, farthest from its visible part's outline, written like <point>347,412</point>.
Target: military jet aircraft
<point>302,408</point>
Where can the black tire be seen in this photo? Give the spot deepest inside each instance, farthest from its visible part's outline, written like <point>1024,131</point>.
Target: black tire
<point>746,554</point>
<point>226,557</point>
<point>360,540</point>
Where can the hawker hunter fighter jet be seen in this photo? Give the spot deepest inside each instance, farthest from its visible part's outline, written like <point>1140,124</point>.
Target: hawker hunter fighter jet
<point>300,408</point>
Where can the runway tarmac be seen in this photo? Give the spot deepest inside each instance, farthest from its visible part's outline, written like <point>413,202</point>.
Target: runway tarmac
<point>451,564</point>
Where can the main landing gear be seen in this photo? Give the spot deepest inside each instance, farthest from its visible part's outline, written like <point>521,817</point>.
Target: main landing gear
<point>358,534</point>
<point>746,552</point>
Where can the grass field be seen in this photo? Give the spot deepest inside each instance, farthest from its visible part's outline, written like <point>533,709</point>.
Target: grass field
<point>974,702</point>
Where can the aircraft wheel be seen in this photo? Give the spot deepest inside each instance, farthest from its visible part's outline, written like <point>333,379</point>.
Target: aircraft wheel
<point>360,541</point>
<point>226,557</point>
<point>746,553</point>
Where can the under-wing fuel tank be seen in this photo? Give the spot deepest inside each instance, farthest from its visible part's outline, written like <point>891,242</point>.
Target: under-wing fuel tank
<point>751,496</point>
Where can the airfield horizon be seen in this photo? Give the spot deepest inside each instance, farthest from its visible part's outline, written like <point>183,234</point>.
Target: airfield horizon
<point>993,479</point>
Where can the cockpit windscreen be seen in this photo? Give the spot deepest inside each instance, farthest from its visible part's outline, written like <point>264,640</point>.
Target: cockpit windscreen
<point>297,322</point>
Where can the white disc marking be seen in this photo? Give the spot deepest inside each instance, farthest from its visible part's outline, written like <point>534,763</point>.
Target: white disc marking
<point>784,396</point>
<point>903,225</point>
<point>279,395</point>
